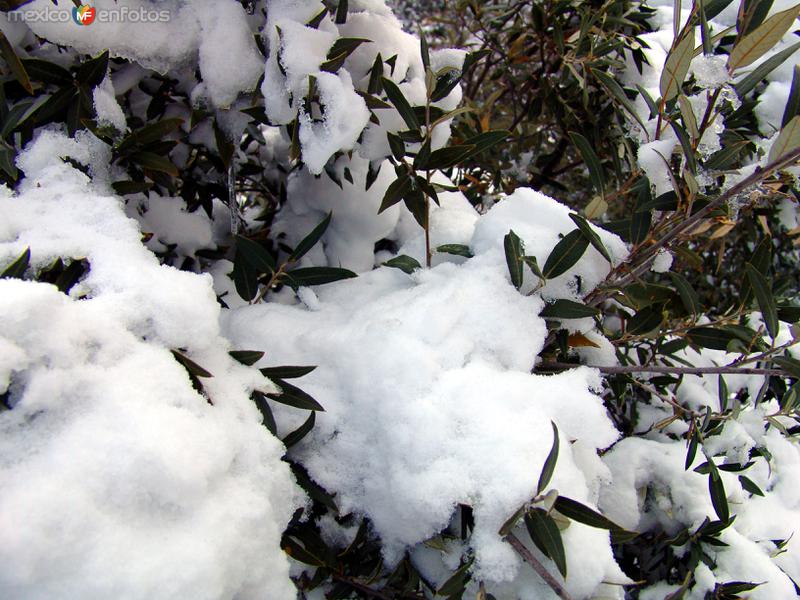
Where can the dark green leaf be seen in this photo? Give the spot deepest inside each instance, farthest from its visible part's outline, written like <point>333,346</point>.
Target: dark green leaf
<point>46,71</point>
<point>456,583</point>
<point>267,419</point>
<point>256,255</point>
<point>405,263</point>
<point>581,513</point>
<point>246,357</point>
<point>293,547</point>
<point>341,12</point>
<point>395,192</point>
<point>292,395</point>
<point>311,239</point>
<point>17,268</point>
<point>190,365</point>
<point>124,188</point>
<point>590,235</point>
<point>286,372</point>
<point>645,320</point>
<point>245,277</point>
<point>317,276</point>
<point>93,71</point>
<point>750,486</point>
<point>486,140</point>
<point>717,490</point>
<point>619,94</point>
<point>592,161</point>
<point>566,253</point>
<point>14,64</point>
<point>691,451</point>
<point>790,365</point>
<point>766,303</point>
<point>689,297</point>
<point>456,249</point>
<point>298,434</point>
<point>447,157</point>
<point>154,162</point>
<point>545,534</point>
<point>154,132</point>
<point>568,309</point>
<point>792,108</point>
<point>549,463</point>
<point>345,46</point>
<point>400,103</point>
<point>514,252</point>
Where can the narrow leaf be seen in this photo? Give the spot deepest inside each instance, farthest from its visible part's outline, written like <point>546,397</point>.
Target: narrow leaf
<point>545,534</point>
<point>246,357</point>
<point>405,263</point>
<point>788,140</point>
<point>566,253</point>
<point>568,309</point>
<point>757,43</point>
<point>514,252</point>
<point>792,108</point>
<point>581,513</point>
<point>293,396</point>
<point>17,268</point>
<point>456,249</point>
<point>592,161</point>
<point>286,372</point>
<point>591,235</point>
<point>766,303</point>
<point>14,63</point>
<point>317,276</point>
<point>311,239</point>
<point>759,74</point>
<point>677,66</point>
<point>399,101</point>
<point>298,434</point>
<point>256,255</point>
<point>549,463</point>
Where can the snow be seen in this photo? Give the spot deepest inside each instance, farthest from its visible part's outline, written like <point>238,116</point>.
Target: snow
<point>662,262</point>
<point>410,368</point>
<point>119,479</point>
<point>654,159</point>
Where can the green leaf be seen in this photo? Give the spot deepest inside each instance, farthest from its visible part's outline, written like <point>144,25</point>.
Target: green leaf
<point>447,157</point>
<point>545,534</point>
<point>400,103</point>
<point>395,192</point>
<point>245,278</point>
<point>14,64</point>
<point>759,74</point>
<point>125,188</point>
<point>760,41</point>
<point>592,161</point>
<point>506,528</point>
<point>317,276</point>
<point>456,249</point>
<point>550,462</point>
<point>677,66</point>
<point>17,268</point>
<point>154,162</point>
<point>568,309</point>
<point>750,486</point>
<point>689,297</point>
<point>293,548</point>
<point>790,365</point>
<point>267,419</point>
<point>792,108</point>
<point>456,583</point>
<point>788,140</point>
<point>572,509</point>
<point>298,434</point>
<point>646,320</point>
<point>246,357</point>
<point>590,235</point>
<point>691,450</point>
<point>311,239</point>
<point>341,12</point>
<point>256,255</point>
<point>154,132</point>
<point>566,253</point>
<point>46,71</point>
<point>286,372</point>
<point>405,263</point>
<point>375,76</point>
<point>423,50</point>
<point>717,490</point>
<point>514,253</point>
<point>766,303</point>
<point>190,365</point>
<point>293,396</point>
<point>618,93</point>
<point>94,70</point>
<point>486,140</point>
<point>345,46</point>
<point>445,83</point>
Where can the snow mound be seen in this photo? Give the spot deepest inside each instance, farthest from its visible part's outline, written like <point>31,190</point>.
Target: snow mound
<point>429,403</point>
<point>119,479</point>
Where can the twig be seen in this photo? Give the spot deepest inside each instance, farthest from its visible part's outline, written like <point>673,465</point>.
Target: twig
<point>361,587</point>
<point>673,370</point>
<point>684,226</point>
<point>537,566</point>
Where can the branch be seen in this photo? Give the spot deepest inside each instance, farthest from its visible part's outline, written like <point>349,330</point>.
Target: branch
<point>685,226</point>
<point>537,566</point>
<point>673,370</point>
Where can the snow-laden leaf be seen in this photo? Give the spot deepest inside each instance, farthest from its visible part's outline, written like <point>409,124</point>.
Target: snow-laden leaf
<point>565,254</point>
<point>514,252</point>
<point>545,534</point>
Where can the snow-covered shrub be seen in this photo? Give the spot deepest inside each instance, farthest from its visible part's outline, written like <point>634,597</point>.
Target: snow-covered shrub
<point>274,326</point>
